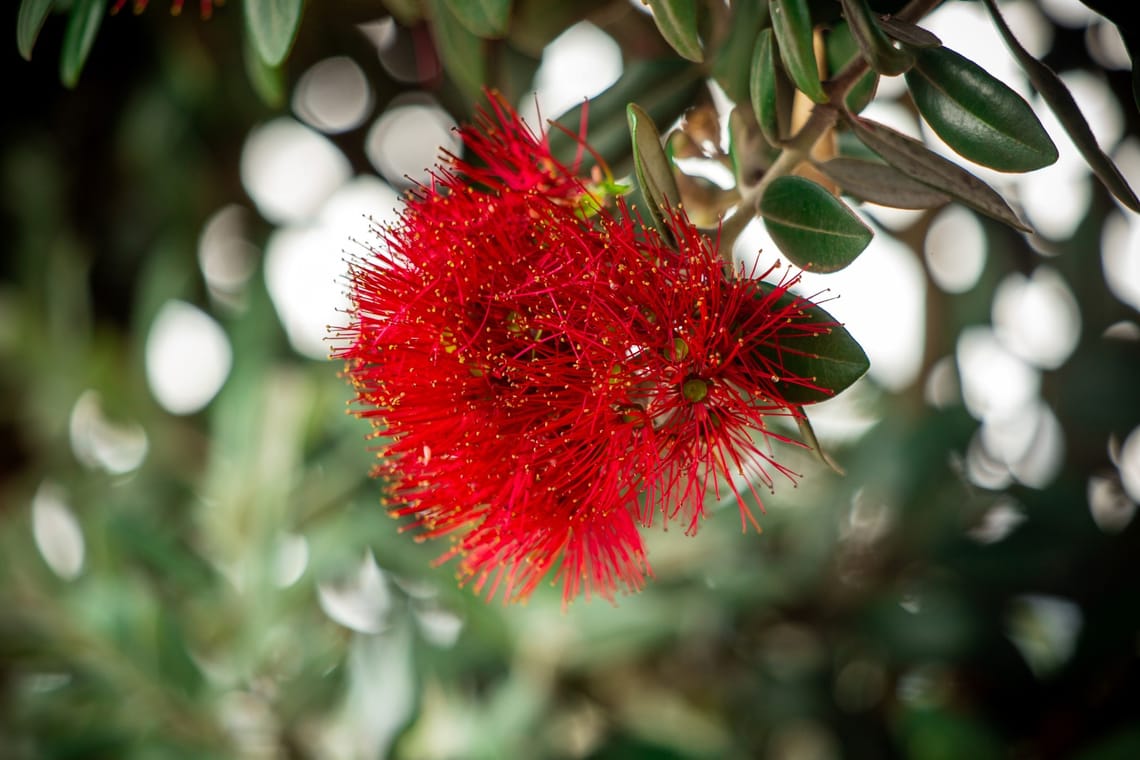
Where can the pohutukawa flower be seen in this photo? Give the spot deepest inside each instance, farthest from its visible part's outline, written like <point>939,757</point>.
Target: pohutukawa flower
<point>548,375</point>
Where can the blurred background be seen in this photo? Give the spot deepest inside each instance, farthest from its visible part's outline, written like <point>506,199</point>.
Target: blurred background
<point>194,562</point>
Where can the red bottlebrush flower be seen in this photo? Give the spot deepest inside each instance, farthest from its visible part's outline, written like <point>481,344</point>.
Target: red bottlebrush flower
<point>703,382</point>
<point>205,7</point>
<point>548,374</point>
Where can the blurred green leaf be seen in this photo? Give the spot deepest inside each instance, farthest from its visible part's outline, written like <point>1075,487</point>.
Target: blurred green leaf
<point>877,49</point>
<point>483,18</point>
<point>677,21</point>
<point>268,82</point>
<point>82,27</point>
<point>30,20</point>
<point>272,25</point>
<point>913,159</point>
<point>791,23</point>
<point>841,50</point>
<point>977,115</point>
<point>828,362</point>
<point>732,59</point>
<point>1054,92</point>
<point>653,169</point>
<point>937,734</point>
<point>771,92</point>
<point>881,183</point>
<point>459,49</point>
<point>1122,745</point>
<point>812,227</point>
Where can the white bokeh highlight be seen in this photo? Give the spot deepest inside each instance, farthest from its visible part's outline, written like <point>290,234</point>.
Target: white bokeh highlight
<point>955,249</point>
<point>333,95</point>
<point>188,357</point>
<point>56,532</point>
<point>306,265</point>
<point>226,256</point>
<point>99,443</point>
<point>360,602</point>
<point>408,140</point>
<point>289,170</point>
<point>580,63</point>
<point>1037,317</point>
<point>995,382</point>
<point>1120,257</point>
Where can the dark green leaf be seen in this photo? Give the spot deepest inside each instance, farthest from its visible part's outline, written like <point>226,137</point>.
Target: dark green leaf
<point>815,367</point>
<point>460,51</point>
<point>1054,92</point>
<point>841,50</point>
<point>677,20</point>
<point>30,20</point>
<point>914,36</point>
<point>483,18</point>
<point>82,26</point>
<point>914,160</point>
<point>664,88</point>
<point>652,167</point>
<point>536,23</point>
<point>978,116</point>
<point>272,25</point>
<point>812,227</point>
<point>791,23</point>
<point>880,183</point>
<point>732,59</point>
<point>877,49</point>
<point>771,107</point>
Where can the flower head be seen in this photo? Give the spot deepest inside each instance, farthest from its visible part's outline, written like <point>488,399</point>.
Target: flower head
<point>549,375</point>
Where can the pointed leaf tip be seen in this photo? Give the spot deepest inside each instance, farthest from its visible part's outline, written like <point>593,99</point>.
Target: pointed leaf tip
<point>677,21</point>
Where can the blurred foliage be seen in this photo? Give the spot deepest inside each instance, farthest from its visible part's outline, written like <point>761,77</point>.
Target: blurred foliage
<point>879,614</point>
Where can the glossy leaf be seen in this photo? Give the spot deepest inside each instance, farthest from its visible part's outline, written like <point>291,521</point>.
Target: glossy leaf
<point>826,364</point>
<point>460,51</point>
<point>841,50</point>
<point>880,183</point>
<point>663,88</point>
<point>977,115</point>
<point>82,27</point>
<point>764,90</point>
<point>1054,92</point>
<point>791,23</point>
<point>30,20</point>
<point>677,21</point>
<point>272,25</point>
<point>652,167</point>
<point>812,227</point>
<point>877,49</point>
<point>483,18</point>
<point>732,59</point>
<point>914,160</point>
<point>910,34</point>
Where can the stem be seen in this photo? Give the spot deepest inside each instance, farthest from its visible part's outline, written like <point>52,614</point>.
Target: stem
<point>798,148</point>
